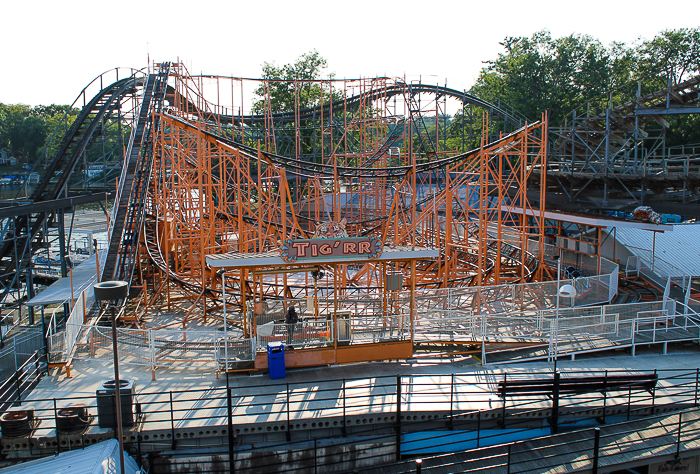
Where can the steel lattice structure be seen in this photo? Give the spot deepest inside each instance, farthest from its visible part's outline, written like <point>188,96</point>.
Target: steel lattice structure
<point>378,158</point>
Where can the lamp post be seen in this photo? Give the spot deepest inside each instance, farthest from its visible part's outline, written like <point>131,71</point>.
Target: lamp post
<point>114,291</point>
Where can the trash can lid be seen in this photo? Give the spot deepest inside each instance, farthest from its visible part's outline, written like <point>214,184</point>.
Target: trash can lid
<point>275,345</point>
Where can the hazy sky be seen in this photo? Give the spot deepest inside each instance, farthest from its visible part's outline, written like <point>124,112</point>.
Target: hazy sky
<point>52,49</point>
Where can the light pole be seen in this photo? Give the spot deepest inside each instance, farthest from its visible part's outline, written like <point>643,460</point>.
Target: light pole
<point>114,291</point>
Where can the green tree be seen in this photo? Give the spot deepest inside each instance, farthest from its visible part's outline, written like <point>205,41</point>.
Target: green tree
<point>672,55</point>
<point>28,137</point>
<point>540,73</point>
<point>292,84</point>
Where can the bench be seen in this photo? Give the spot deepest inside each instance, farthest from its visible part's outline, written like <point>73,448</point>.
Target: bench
<point>576,385</point>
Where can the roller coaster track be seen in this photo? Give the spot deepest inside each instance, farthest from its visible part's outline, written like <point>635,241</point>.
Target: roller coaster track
<point>308,169</point>
<point>14,259</point>
<point>608,156</point>
<point>503,111</point>
<point>609,132</point>
<point>128,215</point>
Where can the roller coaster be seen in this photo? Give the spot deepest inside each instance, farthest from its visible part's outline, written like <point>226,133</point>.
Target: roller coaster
<point>197,176</point>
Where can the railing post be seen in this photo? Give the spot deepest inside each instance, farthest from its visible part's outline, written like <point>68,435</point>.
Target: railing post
<point>172,421</point>
<point>555,403</point>
<point>229,406</point>
<point>478,429</point>
<point>450,423</point>
<point>503,412</point>
<point>55,421</point>
<point>18,386</point>
<point>508,465</point>
<point>315,456</point>
<point>596,450</point>
<point>653,395</point>
<point>344,430</point>
<point>629,402</point>
<point>289,432</point>
<point>697,384</point>
<point>678,444</point>
<point>398,418</point>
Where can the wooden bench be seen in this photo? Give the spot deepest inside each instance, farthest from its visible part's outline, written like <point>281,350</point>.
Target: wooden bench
<point>576,385</point>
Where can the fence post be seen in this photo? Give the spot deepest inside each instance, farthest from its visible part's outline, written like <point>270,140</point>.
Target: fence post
<point>503,412</point>
<point>55,421</point>
<point>629,403</point>
<point>229,407</point>
<point>152,355</point>
<point>697,382</point>
<point>450,423</point>
<point>653,395</point>
<point>289,433</point>
<point>478,429</point>
<point>508,466</point>
<point>596,450</point>
<point>398,418</point>
<point>14,343</point>
<point>344,430</point>
<point>172,421</point>
<point>678,444</point>
<point>555,403</point>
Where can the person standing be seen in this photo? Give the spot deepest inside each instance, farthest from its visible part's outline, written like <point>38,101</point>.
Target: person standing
<point>291,318</point>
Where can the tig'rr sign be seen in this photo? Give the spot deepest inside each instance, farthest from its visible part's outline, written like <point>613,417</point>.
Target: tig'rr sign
<point>305,249</point>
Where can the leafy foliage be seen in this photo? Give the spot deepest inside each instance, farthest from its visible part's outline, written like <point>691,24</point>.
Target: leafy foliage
<point>293,84</point>
<point>540,73</point>
<point>24,130</point>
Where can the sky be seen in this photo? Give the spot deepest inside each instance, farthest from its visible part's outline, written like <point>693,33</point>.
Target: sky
<point>51,50</point>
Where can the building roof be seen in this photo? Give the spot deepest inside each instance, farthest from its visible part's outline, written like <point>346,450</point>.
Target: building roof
<point>590,219</point>
<point>84,276</point>
<point>675,253</point>
<point>100,458</point>
<point>273,258</point>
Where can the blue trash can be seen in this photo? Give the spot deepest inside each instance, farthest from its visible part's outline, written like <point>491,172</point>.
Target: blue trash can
<point>275,360</point>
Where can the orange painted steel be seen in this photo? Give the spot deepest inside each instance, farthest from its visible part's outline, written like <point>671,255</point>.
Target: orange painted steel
<point>219,186</point>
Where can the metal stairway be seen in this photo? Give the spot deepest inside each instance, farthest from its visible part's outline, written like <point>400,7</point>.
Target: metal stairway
<point>128,217</point>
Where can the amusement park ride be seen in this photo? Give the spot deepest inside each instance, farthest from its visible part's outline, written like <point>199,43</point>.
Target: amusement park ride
<point>352,210</point>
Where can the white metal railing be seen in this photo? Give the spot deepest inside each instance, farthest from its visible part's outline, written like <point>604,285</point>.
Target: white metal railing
<point>369,329</point>
<point>302,334</point>
<point>656,269</point>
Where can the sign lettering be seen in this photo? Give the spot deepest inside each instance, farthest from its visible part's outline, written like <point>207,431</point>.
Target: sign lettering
<point>300,249</point>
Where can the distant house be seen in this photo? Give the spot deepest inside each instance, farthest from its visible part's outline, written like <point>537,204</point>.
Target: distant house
<point>6,159</point>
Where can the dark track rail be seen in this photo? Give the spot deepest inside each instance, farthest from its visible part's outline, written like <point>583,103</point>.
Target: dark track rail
<point>129,218</point>
<point>29,229</point>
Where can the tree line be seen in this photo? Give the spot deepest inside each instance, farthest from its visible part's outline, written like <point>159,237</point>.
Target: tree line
<point>541,73</point>
<point>24,130</point>
<point>532,74</point>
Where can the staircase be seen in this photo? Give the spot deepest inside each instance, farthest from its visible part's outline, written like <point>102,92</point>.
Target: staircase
<point>127,219</point>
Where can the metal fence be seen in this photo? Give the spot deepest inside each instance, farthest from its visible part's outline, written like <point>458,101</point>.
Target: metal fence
<point>405,416</point>
<point>18,347</point>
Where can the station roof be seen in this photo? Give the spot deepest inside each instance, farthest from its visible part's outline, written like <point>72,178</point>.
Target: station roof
<point>676,254</point>
<point>590,219</point>
<point>273,258</point>
<point>84,276</point>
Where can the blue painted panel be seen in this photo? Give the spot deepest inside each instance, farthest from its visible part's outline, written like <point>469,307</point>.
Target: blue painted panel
<point>429,442</point>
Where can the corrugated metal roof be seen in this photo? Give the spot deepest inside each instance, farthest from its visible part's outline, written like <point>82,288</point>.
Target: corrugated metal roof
<point>101,458</point>
<point>680,248</point>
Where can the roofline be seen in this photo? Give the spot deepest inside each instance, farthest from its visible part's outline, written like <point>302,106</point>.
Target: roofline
<point>591,221</point>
